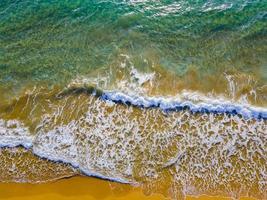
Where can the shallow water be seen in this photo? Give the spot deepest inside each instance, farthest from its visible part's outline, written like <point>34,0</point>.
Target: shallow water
<point>168,95</point>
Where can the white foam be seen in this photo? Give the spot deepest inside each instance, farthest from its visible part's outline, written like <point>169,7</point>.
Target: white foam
<point>127,144</point>
<point>192,100</point>
<point>61,144</point>
<point>14,133</point>
<point>132,90</point>
<point>142,77</point>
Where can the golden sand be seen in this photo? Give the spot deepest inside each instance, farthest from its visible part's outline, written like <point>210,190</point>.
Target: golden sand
<point>81,188</point>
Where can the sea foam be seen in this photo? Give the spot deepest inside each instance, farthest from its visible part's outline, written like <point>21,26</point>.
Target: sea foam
<point>13,133</point>
<point>127,144</point>
<point>192,101</point>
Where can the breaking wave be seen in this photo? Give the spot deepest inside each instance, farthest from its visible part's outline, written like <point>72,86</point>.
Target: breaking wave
<point>192,101</point>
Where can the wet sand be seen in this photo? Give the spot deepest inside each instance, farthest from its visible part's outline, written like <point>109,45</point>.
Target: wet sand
<point>81,188</point>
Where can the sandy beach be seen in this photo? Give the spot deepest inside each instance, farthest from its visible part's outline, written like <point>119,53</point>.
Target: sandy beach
<point>81,188</point>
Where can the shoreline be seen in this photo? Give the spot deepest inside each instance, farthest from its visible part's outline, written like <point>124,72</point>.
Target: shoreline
<point>87,188</point>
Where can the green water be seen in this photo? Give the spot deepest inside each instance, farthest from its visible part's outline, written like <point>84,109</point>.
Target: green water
<point>57,41</point>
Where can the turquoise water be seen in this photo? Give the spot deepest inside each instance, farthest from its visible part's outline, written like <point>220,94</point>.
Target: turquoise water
<point>169,95</point>
<point>56,41</point>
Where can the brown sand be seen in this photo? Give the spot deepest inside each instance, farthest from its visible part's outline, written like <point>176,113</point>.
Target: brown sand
<point>81,188</point>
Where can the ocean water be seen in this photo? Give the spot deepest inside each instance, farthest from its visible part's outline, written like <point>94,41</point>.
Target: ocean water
<point>167,95</point>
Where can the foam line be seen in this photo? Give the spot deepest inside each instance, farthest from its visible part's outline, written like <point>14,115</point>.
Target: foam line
<point>77,166</point>
<point>13,133</point>
<point>194,102</point>
<point>167,104</point>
